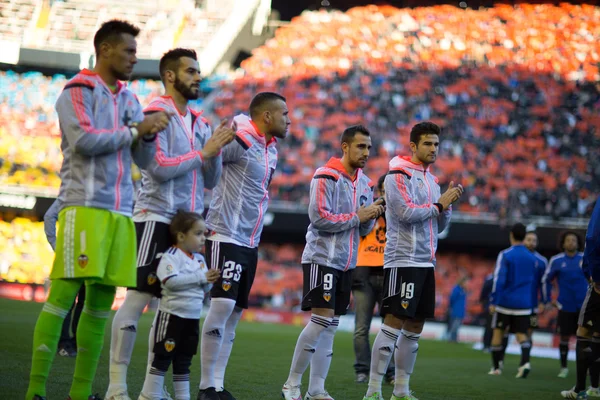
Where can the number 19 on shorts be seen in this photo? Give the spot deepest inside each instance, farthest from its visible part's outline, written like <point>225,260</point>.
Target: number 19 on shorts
<point>407,291</point>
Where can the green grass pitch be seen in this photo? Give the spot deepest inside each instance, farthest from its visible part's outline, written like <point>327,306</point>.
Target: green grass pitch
<point>261,358</point>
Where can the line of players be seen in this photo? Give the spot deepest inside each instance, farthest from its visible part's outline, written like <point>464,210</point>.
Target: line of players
<point>104,130</point>
<point>522,288</point>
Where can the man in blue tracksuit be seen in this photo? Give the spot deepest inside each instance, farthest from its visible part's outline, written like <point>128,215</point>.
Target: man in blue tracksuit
<point>588,347</point>
<point>457,308</point>
<point>512,299</point>
<point>565,269</point>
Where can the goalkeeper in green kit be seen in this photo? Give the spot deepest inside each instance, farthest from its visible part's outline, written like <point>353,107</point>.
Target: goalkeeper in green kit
<point>103,132</point>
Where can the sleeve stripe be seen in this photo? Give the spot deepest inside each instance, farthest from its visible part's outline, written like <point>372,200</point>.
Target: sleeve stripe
<point>326,176</point>
<point>400,171</point>
<point>81,115</point>
<point>245,143</point>
<point>79,84</point>
<point>321,206</point>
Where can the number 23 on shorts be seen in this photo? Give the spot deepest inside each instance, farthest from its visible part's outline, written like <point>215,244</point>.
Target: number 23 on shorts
<point>232,271</point>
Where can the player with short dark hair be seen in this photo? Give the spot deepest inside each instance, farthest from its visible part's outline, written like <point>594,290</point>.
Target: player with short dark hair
<point>565,269</point>
<point>512,299</point>
<point>588,330</point>
<point>184,279</point>
<point>235,220</point>
<point>416,212</point>
<point>103,132</point>
<point>341,209</point>
<point>186,162</point>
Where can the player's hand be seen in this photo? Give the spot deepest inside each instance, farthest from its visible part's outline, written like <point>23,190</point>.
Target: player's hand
<point>541,308</point>
<point>154,123</point>
<point>492,309</point>
<point>222,136</point>
<point>370,212</point>
<point>452,194</point>
<point>212,275</point>
<point>596,286</point>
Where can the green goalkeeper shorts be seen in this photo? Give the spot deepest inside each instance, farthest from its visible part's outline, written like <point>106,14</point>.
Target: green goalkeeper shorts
<point>96,245</point>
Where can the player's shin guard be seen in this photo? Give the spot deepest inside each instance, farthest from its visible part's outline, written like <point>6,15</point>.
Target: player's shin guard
<point>122,339</point>
<point>563,348</point>
<point>405,358</point>
<point>383,348</point>
<point>525,352</point>
<point>47,332</point>
<point>90,338</point>
<point>212,338</point>
<point>321,361</point>
<point>226,347</point>
<point>584,355</point>
<point>306,346</point>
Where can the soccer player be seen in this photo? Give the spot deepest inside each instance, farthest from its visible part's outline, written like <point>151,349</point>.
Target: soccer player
<point>67,345</point>
<point>341,209</point>
<point>103,131</point>
<point>187,161</point>
<point>416,212</point>
<point>367,289</point>
<point>531,242</point>
<point>184,279</point>
<point>235,219</point>
<point>512,299</point>
<point>565,269</point>
<point>588,330</point>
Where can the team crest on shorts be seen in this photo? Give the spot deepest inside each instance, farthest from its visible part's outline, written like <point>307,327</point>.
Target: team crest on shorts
<point>404,304</point>
<point>82,260</point>
<point>169,345</point>
<point>327,296</point>
<point>151,278</point>
<point>226,285</point>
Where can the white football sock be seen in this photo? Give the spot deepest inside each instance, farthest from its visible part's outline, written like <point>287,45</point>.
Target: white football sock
<point>181,383</point>
<point>306,346</point>
<point>123,335</point>
<point>153,384</point>
<point>405,357</point>
<point>382,351</point>
<point>212,338</point>
<point>226,347</point>
<point>321,361</point>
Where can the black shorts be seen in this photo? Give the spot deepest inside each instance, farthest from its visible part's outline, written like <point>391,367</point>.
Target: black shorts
<point>238,268</point>
<point>176,335</point>
<point>514,323</point>
<point>326,287</point>
<point>409,292</point>
<point>533,321</point>
<point>153,239</point>
<point>589,316</point>
<point>567,323</point>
